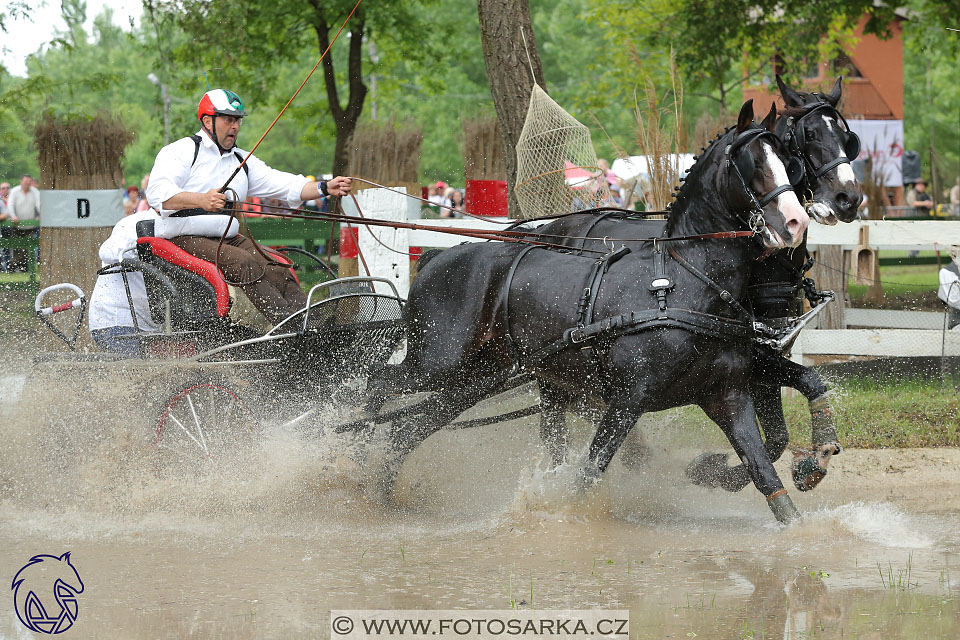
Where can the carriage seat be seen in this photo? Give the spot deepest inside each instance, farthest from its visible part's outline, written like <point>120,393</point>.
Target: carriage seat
<point>204,296</point>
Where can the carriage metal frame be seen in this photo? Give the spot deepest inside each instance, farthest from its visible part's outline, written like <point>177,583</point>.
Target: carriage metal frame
<point>219,380</point>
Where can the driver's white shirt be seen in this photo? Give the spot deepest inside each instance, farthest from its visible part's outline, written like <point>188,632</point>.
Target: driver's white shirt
<point>109,306</point>
<point>173,174</point>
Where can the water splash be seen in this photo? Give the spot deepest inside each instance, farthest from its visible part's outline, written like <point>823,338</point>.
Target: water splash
<point>879,522</point>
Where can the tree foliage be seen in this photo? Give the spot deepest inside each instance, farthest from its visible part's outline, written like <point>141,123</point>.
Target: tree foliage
<point>426,56</point>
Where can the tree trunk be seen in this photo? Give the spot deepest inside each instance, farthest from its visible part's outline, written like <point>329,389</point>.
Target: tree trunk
<point>345,118</point>
<point>508,72</point>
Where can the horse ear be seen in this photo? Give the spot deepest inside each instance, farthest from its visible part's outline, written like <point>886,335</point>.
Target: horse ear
<point>834,96</point>
<point>771,119</point>
<point>790,97</point>
<point>65,556</point>
<point>746,115</point>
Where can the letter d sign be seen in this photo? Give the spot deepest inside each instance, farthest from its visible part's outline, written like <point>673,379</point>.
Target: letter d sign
<point>83,208</point>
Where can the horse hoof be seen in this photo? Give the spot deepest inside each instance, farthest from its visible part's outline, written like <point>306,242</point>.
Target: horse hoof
<point>587,478</point>
<point>810,467</point>
<point>782,507</point>
<point>705,470</point>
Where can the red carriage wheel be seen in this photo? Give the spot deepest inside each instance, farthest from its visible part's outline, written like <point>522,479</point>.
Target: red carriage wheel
<point>201,426</point>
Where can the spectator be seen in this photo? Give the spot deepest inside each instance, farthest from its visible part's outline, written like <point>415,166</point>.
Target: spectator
<point>252,207</point>
<point>919,199</point>
<point>922,204</point>
<point>437,194</point>
<point>24,201</point>
<point>142,204</point>
<point>458,204</point>
<point>24,204</point>
<point>131,201</point>
<point>432,210</point>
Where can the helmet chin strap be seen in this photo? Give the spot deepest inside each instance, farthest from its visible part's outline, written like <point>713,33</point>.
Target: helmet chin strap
<point>213,134</point>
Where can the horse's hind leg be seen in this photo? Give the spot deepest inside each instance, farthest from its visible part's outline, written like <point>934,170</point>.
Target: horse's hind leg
<point>735,413</point>
<point>621,414</point>
<point>712,470</point>
<point>553,420</point>
<point>435,414</point>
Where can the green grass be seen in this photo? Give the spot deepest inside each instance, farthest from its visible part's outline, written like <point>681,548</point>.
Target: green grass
<point>885,413</point>
<point>869,414</point>
<point>904,285</point>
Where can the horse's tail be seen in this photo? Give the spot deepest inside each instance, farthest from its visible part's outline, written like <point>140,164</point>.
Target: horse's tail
<point>427,257</point>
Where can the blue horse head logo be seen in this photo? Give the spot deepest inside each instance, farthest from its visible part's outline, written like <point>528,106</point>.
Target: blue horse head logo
<point>45,593</point>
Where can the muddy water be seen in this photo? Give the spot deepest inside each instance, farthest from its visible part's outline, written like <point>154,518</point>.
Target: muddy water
<point>267,549</point>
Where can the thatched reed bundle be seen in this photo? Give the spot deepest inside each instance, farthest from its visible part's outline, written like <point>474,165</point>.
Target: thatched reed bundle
<point>77,153</point>
<point>483,150</point>
<point>386,153</point>
<point>81,153</point>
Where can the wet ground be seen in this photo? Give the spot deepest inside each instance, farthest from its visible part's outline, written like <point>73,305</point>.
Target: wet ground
<point>267,548</point>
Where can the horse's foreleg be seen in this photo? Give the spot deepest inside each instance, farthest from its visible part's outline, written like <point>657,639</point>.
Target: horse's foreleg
<point>735,413</point>
<point>553,420</point>
<point>809,465</point>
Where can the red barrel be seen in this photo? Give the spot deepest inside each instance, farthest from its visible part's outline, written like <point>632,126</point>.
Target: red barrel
<point>348,242</point>
<point>486,197</point>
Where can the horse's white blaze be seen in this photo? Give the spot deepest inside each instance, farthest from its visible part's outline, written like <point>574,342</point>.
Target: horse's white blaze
<point>794,216</point>
<point>844,171</point>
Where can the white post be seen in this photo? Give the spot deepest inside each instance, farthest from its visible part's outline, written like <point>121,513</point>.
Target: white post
<point>385,249</point>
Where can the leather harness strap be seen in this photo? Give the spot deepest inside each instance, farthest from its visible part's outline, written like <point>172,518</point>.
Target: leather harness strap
<point>729,329</point>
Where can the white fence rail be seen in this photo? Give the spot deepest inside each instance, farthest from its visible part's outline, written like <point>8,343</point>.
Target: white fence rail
<point>882,334</point>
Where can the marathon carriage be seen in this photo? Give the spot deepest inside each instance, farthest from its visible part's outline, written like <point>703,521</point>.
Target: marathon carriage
<point>205,381</point>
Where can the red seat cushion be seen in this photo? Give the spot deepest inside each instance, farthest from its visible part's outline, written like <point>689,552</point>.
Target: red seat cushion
<point>166,250</point>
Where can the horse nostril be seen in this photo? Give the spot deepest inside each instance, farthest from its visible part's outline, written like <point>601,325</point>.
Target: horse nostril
<point>793,226</point>
<point>843,201</point>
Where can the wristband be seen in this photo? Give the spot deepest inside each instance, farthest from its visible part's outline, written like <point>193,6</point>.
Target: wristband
<point>323,188</point>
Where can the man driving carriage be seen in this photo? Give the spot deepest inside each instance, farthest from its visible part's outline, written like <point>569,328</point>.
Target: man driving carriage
<point>186,186</point>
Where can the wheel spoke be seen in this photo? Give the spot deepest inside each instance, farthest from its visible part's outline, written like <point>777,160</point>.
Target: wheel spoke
<point>185,430</point>
<point>212,433</point>
<point>196,421</point>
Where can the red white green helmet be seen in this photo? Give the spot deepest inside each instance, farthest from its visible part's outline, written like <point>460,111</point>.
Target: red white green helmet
<point>220,102</point>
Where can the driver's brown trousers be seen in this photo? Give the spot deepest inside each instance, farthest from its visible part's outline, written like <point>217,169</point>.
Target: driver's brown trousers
<point>276,294</point>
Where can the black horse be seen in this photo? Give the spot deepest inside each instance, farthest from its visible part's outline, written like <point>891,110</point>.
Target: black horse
<point>811,128</point>
<point>816,133</point>
<point>641,330</point>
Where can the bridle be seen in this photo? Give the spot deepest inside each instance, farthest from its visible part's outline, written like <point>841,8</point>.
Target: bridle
<point>796,140</point>
<point>741,162</point>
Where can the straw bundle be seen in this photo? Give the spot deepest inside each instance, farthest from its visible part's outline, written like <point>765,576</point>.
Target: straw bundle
<point>483,150</point>
<point>81,153</point>
<point>77,153</point>
<point>385,152</point>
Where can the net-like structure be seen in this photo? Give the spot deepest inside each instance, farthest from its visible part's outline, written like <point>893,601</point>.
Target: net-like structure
<point>557,167</point>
